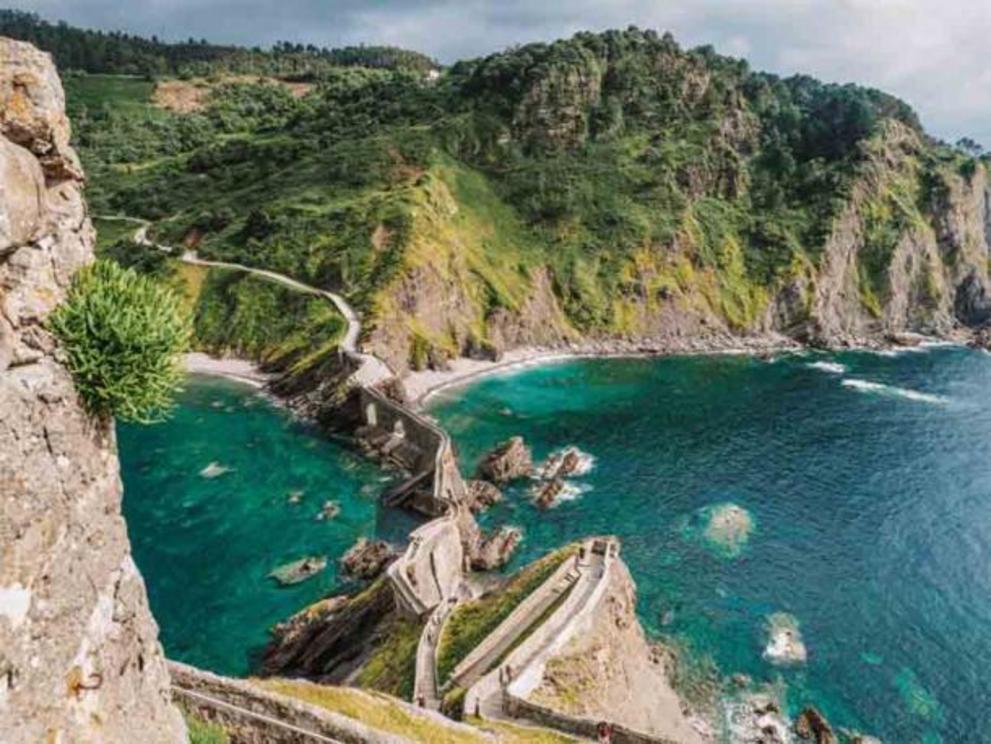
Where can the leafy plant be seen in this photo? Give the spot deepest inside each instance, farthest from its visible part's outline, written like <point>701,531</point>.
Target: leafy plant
<point>123,334</point>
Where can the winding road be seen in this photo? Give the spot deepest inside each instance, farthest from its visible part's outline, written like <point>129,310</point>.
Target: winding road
<point>370,369</point>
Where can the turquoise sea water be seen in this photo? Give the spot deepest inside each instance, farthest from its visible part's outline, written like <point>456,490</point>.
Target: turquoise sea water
<point>869,488</point>
<point>206,545</point>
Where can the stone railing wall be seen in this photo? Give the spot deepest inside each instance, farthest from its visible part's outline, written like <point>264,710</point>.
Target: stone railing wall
<point>583,727</point>
<point>254,715</point>
<point>432,566</point>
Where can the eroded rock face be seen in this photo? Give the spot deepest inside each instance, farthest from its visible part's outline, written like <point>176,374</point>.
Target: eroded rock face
<point>494,550</point>
<point>812,725</point>
<point>80,659</point>
<point>482,495</point>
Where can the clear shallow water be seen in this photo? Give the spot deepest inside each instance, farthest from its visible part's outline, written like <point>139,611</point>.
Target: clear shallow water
<point>870,490</point>
<point>206,545</point>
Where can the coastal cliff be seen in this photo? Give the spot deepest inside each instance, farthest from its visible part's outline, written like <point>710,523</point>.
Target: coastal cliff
<point>79,653</point>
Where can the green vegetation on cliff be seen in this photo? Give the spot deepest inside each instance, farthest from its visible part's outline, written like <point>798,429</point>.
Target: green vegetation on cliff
<point>123,336</point>
<point>607,184</point>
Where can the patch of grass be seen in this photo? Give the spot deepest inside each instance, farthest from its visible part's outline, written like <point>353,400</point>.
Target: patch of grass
<point>392,667</point>
<point>472,622</point>
<point>375,710</point>
<point>204,732</point>
<point>510,733</point>
<point>109,232</point>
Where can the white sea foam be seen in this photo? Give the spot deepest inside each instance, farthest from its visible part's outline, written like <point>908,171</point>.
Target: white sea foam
<point>865,386</point>
<point>834,368</point>
<point>573,491</point>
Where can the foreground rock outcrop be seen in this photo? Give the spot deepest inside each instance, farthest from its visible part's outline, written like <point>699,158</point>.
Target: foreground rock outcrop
<point>608,671</point>
<point>80,659</point>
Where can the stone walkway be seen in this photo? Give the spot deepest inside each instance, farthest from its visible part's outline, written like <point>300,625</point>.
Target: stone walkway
<point>486,694</point>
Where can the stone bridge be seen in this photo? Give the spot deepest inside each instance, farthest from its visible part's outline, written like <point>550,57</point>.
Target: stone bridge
<point>431,568</point>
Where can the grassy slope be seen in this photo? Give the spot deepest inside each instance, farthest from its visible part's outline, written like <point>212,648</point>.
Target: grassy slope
<point>392,666</point>
<point>472,622</point>
<point>377,711</point>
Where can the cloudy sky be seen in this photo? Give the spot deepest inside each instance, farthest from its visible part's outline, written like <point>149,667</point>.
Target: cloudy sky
<point>930,52</point>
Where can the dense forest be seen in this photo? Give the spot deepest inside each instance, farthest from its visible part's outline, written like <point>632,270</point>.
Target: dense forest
<point>643,185</point>
<point>125,54</point>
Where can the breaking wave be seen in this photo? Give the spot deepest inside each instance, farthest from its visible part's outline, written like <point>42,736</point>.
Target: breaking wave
<point>834,368</point>
<point>865,386</point>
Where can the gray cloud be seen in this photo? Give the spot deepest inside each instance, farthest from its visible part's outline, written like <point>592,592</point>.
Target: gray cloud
<point>929,52</point>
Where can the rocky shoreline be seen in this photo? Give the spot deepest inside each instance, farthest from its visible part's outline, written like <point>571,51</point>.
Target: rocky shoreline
<point>422,385</point>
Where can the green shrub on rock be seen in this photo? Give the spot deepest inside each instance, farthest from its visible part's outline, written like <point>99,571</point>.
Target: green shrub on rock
<point>123,335</point>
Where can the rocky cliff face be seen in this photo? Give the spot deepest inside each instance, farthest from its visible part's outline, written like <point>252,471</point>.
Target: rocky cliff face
<point>79,654</point>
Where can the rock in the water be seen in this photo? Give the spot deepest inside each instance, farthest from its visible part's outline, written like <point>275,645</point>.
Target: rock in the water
<point>811,724</point>
<point>299,571</point>
<point>507,462</point>
<point>294,497</point>
<point>722,528</point>
<point>366,559</point>
<point>785,645</point>
<point>566,462</point>
<point>493,551</point>
<point>482,495</point>
<point>547,494</point>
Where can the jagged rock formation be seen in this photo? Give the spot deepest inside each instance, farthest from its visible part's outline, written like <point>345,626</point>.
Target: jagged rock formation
<point>481,495</point>
<point>79,653</point>
<point>366,559</point>
<point>494,550</point>
<point>812,725</point>
<point>508,461</point>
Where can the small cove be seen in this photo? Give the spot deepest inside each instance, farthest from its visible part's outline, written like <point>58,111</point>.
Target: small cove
<point>205,545</point>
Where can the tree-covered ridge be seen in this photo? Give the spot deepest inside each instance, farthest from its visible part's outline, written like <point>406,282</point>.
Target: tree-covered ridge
<point>126,54</point>
<point>633,180</point>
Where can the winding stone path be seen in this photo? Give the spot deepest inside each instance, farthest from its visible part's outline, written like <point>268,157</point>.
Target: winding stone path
<point>371,370</point>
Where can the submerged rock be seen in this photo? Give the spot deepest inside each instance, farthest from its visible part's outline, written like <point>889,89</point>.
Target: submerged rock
<point>494,550</point>
<point>507,462</point>
<point>214,470</point>
<point>299,571</point>
<point>482,495</point>
<point>811,724</point>
<point>294,497</point>
<point>366,559</point>
<point>723,528</point>
<point>785,645</point>
<point>329,510</point>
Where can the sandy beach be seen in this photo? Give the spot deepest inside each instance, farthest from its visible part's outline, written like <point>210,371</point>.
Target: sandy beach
<point>241,370</point>
<point>424,384</point>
